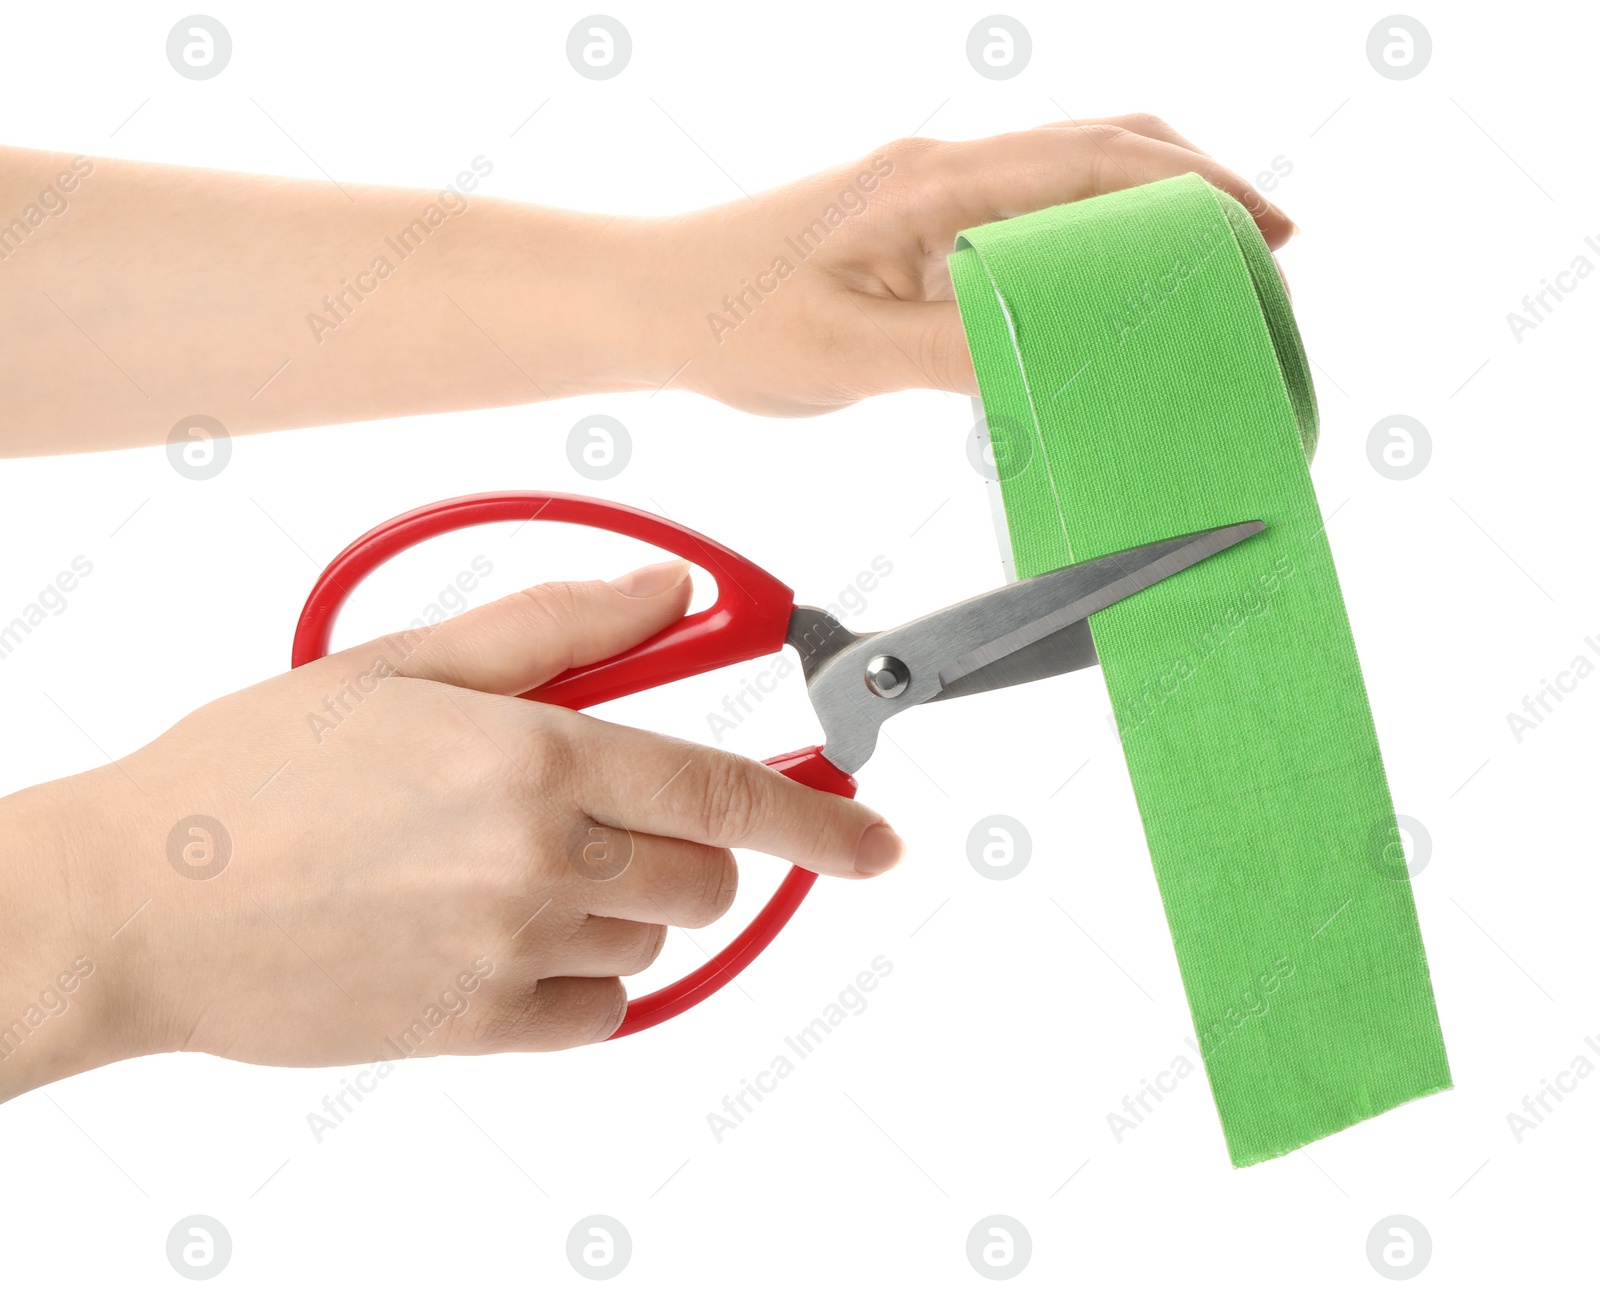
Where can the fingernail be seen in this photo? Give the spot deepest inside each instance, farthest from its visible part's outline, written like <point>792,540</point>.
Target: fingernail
<point>878,851</point>
<point>1293,229</point>
<point>658,578</point>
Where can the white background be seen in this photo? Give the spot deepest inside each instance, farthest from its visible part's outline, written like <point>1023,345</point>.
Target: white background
<point>1019,1013</point>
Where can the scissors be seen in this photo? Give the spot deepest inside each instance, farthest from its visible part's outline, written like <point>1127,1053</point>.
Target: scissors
<point>1031,629</point>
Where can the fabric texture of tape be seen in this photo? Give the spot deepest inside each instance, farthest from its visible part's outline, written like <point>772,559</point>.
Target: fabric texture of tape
<point>1142,377</point>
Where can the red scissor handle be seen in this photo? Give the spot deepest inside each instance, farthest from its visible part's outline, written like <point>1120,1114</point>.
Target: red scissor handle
<point>749,619</point>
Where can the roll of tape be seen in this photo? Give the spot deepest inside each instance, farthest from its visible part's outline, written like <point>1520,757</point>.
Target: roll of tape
<point>1142,376</point>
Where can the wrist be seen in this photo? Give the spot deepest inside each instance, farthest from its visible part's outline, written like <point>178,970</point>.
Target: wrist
<point>65,995</point>
<point>581,304</point>
<point>643,289</point>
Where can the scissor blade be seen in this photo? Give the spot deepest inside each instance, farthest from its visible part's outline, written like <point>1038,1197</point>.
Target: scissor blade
<point>1068,649</point>
<point>1019,616</point>
<point>1029,630</point>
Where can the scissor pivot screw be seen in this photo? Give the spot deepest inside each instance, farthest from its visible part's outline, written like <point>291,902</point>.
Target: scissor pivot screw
<point>888,676</point>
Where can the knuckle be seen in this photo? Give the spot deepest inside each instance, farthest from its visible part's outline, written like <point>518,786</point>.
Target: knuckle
<point>647,947</point>
<point>610,1005</point>
<point>543,1015</point>
<point>548,750</point>
<point>599,852</point>
<point>1099,140</point>
<point>555,607</point>
<point>1143,122</point>
<point>513,1018</point>
<point>908,158</point>
<point>556,599</point>
<point>1104,134</point>
<point>718,884</point>
<point>730,802</point>
<point>907,148</point>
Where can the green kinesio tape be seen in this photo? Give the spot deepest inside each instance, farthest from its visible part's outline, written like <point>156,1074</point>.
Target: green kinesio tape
<point>1142,377</point>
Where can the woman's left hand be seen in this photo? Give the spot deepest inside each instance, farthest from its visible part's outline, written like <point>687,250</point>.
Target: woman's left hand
<point>813,296</point>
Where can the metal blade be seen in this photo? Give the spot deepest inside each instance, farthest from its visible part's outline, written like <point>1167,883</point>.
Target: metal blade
<point>1068,649</point>
<point>991,641</point>
<point>1040,606</point>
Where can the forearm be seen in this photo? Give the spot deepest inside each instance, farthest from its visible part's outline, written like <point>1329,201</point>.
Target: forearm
<point>151,293</point>
<point>133,296</point>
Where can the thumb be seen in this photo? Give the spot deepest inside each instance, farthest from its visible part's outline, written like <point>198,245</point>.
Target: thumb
<point>916,344</point>
<point>518,642</point>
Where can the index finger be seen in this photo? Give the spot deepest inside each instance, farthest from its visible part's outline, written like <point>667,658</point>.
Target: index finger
<point>1029,170</point>
<point>1275,223</point>
<point>650,783</point>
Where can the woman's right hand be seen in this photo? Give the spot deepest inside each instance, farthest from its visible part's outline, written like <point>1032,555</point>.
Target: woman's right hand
<point>389,847</point>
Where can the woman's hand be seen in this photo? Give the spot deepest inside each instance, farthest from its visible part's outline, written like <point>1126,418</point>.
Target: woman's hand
<point>813,296</point>
<point>387,853</point>
<point>797,301</point>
